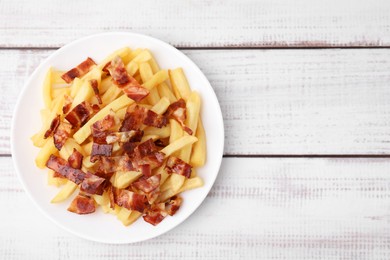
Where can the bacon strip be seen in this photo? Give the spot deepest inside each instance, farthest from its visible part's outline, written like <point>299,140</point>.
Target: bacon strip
<point>173,205</point>
<point>61,134</point>
<point>124,137</point>
<point>67,105</point>
<point>82,205</point>
<point>137,115</point>
<point>75,160</point>
<point>80,114</point>
<point>100,129</point>
<point>131,200</point>
<point>94,85</point>
<point>155,214</point>
<point>61,166</point>
<point>79,71</point>
<point>178,166</point>
<point>113,164</point>
<point>147,153</point>
<point>53,126</point>
<point>148,185</point>
<point>99,150</point>
<point>93,184</point>
<point>177,111</point>
<point>127,83</point>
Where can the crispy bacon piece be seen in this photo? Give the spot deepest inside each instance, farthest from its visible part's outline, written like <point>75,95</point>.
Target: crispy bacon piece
<point>93,184</point>
<point>131,200</point>
<point>177,111</point>
<point>154,119</point>
<point>155,214</point>
<point>178,166</point>
<point>113,164</point>
<point>137,115</point>
<point>147,153</point>
<point>173,205</point>
<point>82,205</point>
<point>53,127</point>
<point>124,137</point>
<point>127,83</point>
<point>112,195</point>
<point>134,118</point>
<point>80,114</point>
<point>61,166</point>
<point>67,105</point>
<point>99,150</point>
<point>148,185</point>
<point>100,129</point>
<point>75,160</point>
<point>61,134</point>
<point>146,170</point>
<point>78,71</point>
<point>95,87</point>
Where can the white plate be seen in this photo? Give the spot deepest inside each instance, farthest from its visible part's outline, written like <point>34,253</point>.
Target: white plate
<point>26,121</point>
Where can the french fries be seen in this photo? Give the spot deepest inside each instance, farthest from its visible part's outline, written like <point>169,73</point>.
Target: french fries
<point>155,173</point>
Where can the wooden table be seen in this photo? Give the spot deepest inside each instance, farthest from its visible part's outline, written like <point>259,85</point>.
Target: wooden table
<point>304,87</point>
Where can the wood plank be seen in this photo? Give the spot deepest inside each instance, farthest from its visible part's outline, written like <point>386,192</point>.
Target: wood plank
<point>274,102</point>
<point>200,23</point>
<point>258,209</point>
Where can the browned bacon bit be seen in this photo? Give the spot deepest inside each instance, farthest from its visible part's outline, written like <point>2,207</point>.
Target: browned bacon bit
<point>146,170</point>
<point>67,105</point>
<point>133,119</point>
<point>147,153</point>
<point>178,166</point>
<point>61,134</point>
<point>100,150</point>
<point>122,137</point>
<point>177,110</point>
<point>82,205</point>
<point>131,200</point>
<point>127,83</point>
<point>100,129</point>
<point>149,184</point>
<point>93,184</point>
<point>80,114</point>
<point>53,127</point>
<point>94,85</point>
<point>154,119</point>
<point>75,160</point>
<point>155,214</point>
<point>58,175</point>
<point>61,166</point>
<point>78,71</point>
<point>113,164</point>
<point>112,195</point>
<point>173,205</point>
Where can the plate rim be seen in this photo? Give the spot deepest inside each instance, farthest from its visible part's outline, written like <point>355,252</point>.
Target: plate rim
<point>16,111</point>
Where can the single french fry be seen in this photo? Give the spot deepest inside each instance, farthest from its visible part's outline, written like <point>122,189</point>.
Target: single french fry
<point>47,89</point>
<point>163,172</point>
<point>132,218</point>
<point>178,144</point>
<point>86,92</point>
<point>55,181</point>
<point>132,54</point>
<point>65,192</point>
<point>45,152</point>
<point>56,77</point>
<point>162,132</point>
<point>56,92</point>
<point>193,109</point>
<point>123,52</point>
<point>176,130</point>
<point>193,173</point>
<point>180,85</point>
<point>105,85</point>
<point>189,184</point>
<point>38,139</point>
<point>157,79</point>
<point>161,106</point>
<point>132,68</point>
<point>85,131</point>
<point>122,179</point>
<point>143,56</point>
<point>121,113</point>
<point>87,148</point>
<point>110,95</point>
<point>199,151</point>
<point>147,137</point>
<point>165,91</point>
<point>146,74</point>
<point>174,182</point>
<point>123,215</point>
<point>75,87</point>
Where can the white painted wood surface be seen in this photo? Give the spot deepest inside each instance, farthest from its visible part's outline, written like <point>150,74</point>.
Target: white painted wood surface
<point>200,23</point>
<point>258,209</point>
<point>279,102</point>
<point>274,101</point>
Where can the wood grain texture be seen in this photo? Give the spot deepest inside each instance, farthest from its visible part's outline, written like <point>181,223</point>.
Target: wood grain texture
<point>200,23</point>
<point>258,209</point>
<point>274,101</point>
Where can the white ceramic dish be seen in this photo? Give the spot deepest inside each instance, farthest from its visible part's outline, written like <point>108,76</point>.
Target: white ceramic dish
<point>26,121</point>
